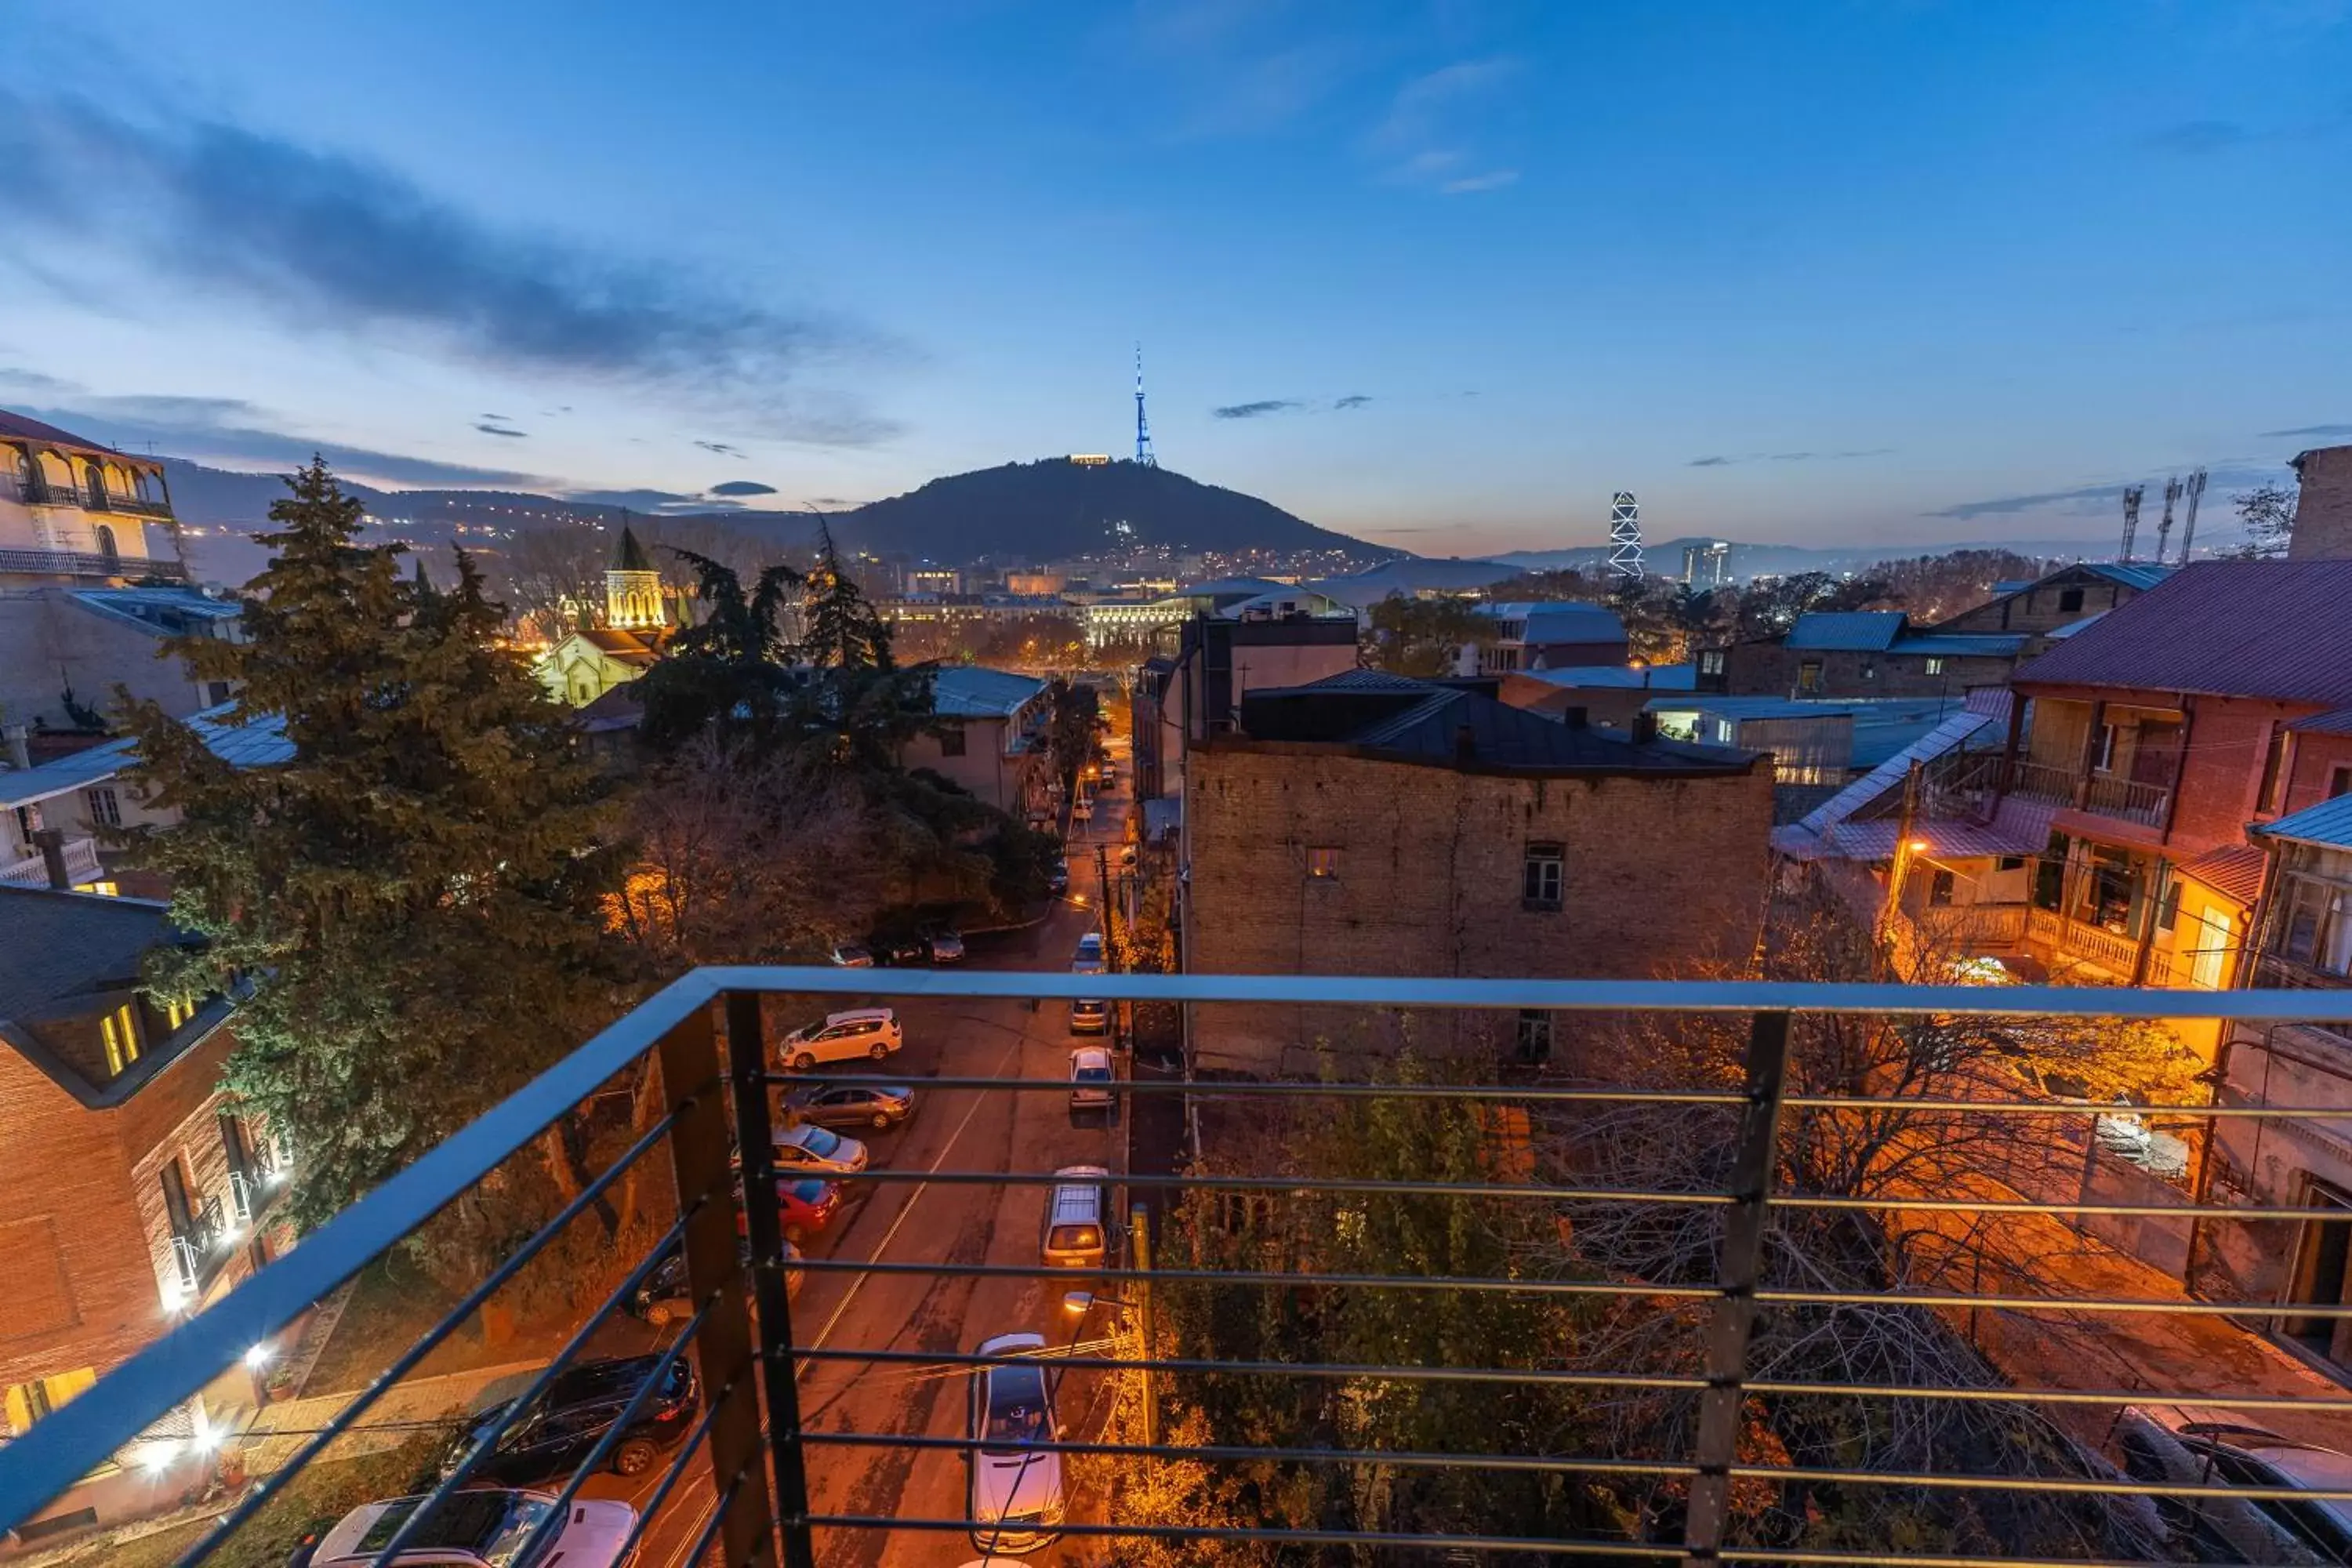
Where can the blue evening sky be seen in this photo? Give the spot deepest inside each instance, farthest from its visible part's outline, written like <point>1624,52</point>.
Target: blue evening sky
<point>1441,274</point>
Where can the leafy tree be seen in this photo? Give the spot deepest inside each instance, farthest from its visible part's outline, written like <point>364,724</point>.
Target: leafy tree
<point>1423,638</point>
<point>417,892</point>
<point>1074,727</point>
<point>1937,587</point>
<point>2267,512</point>
<point>1768,608</point>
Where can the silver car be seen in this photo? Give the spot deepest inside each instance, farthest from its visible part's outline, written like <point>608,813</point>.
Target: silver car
<point>1015,1497</point>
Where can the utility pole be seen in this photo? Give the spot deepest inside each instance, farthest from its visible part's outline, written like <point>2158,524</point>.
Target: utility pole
<point>1899,870</point>
<point>1139,1226</point>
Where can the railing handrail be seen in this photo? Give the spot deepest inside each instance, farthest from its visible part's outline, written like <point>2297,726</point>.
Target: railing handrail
<point>87,1432</point>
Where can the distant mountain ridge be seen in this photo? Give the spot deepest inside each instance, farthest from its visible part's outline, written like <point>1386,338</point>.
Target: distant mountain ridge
<point>1664,557</point>
<point>1014,514</point>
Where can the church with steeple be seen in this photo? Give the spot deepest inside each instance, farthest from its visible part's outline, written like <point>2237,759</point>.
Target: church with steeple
<point>586,663</point>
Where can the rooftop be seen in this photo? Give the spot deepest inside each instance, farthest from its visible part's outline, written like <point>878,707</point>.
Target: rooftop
<point>1842,631</point>
<point>2328,824</point>
<point>17,427</point>
<point>1559,621</point>
<point>976,691</point>
<point>257,744</point>
<point>67,953</point>
<point>1619,677</point>
<point>1408,578</point>
<point>1433,722</point>
<point>2278,629</point>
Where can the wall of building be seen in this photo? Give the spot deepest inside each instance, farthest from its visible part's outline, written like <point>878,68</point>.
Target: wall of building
<point>1659,872</point>
<point>2323,509</point>
<point>46,640</point>
<point>983,768</point>
<point>1769,670</point>
<point>2273,1160</point>
<point>2045,607</point>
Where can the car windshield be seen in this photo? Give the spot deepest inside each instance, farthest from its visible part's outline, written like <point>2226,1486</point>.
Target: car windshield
<point>1016,1408</point>
<point>819,1142</point>
<point>1093,1075</point>
<point>491,1525</point>
<point>811,1193</point>
<point>1089,946</point>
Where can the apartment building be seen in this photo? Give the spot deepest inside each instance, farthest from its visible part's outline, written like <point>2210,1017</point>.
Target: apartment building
<point>1183,699</point>
<point>137,1193</point>
<point>1370,824</point>
<point>1861,653</point>
<point>990,737</point>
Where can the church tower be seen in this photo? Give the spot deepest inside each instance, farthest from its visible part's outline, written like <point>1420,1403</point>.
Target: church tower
<point>633,595</point>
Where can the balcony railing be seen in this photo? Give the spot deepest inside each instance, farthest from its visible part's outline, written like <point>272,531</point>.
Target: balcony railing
<point>1973,927</point>
<point>2127,800</point>
<point>2079,942</point>
<point>2042,782</point>
<point>82,865</point>
<point>39,492</point>
<point>757,1476</point>
<point>90,563</point>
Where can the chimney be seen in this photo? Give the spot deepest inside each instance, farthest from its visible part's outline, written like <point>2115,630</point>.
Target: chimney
<point>2323,507</point>
<point>1465,744</point>
<point>51,843</point>
<point>20,754</point>
<point>1575,718</point>
<point>1645,727</point>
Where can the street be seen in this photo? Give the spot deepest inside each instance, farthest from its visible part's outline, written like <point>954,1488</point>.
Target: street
<point>954,1129</point>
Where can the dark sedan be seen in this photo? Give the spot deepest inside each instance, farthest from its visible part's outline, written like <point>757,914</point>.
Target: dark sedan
<point>581,1404</point>
<point>879,1106</point>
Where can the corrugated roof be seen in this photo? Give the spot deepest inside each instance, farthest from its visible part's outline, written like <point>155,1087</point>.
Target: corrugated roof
<point>63,945</point>
<point>1810,838</point>
<point>2234,870</point>
<point>18,427</point>
<point>976,691</point>
<point>2019,827</point>
<point>1425,720</point>
<point>2140,574</point>
<point>256,745</point>
<point>2329,823</point>
<point>1619,677</point>
<point>2334,721</point>
<point>1962,645</point>
<point>1846,631</point>
<point>2280,629</point>
<point>2074,628</point>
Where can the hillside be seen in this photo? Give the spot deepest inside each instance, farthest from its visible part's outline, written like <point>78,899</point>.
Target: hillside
<point>1020,512</point>
<point>1665,557</point>
<point>1053,508</point>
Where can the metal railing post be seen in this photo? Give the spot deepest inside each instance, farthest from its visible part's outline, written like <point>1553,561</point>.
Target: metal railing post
<point>714,1273</point>
<point>1739,1265</point>
<point>747,1065</point>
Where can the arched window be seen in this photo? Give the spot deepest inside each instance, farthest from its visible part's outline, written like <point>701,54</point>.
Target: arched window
<point>94,485</point>
<point>106,546</point>
<point>27,476</point>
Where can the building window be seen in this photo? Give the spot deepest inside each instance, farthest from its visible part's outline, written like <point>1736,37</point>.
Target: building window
<point>2106,749</point>
<point>1869,670</point>
<point>215,693</point>
<point>2168,908</point>
<point>1323,864</point>
<point>2069,600</point>
<point>178,1010</point>
<point>2010,863</point>
<point>1941,885</point>
<point>1535,1036</point>
<point>1710,661</point>
<point>1808,675</point>
<point>2273,773</point>
<point>120,1030</point>
<point>177,1209</point>
<point>1935,664</point>
<point>1544,877</point>
<point>28,1402</point>
<point>105,809</point>
<point>951,741</point>
<point>2339,784</point>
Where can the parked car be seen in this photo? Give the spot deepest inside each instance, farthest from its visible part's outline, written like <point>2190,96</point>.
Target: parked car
<point>842,1036</point>
<point>1058,879</point>
<point>486,1526</point>
<point>553,1441</point>
<point>664,1297</point>
<point>1015,1498</point>
<point>808,1149</point>
<point>945,944</point>
<point>2234,1453</point>
<point>1090,1016</point>
<point>904,951</point>
<point>1084,811</point>
<point>1091,1078</point>
<point>1088,960</point>
<point>853,956</point>
<point>804,1206</point>
<point>1076,1222</point>
<point>878,1106</point>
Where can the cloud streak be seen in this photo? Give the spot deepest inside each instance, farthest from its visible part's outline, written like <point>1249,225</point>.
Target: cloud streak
<point>322,241</point>
<point>1720,460</point>
<point>488,428</point>
<point>231,431</point>
<point>1267,405</point>
<point>1425,138</point>
<point>2100,500</point>
<point>743,487</point>
<point>2301,431</point>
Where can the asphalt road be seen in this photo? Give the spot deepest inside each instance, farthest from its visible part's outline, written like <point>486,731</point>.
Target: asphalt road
<point>952,1129</point>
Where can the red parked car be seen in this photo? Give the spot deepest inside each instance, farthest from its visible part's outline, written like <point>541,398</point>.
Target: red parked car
<point>804,1206</point>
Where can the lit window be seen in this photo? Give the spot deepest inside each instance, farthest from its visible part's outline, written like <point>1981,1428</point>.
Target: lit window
<point>1323,864</point>
<point>178,1010</point>
<point>120,1034</point>
<point>1544,877</point>
<point>1934,664</point>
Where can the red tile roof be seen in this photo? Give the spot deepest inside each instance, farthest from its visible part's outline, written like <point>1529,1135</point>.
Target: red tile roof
<point>17,427</point>
<point>2280,629</point>
<point>2233,869</point>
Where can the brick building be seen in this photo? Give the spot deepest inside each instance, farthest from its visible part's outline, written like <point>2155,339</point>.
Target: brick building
<point>1864,653</point>
<point>2322,508</point>
<point>135,1195</point>
<point>2058,599</point>
<point>1198,691</point>
<point>1368,823</point>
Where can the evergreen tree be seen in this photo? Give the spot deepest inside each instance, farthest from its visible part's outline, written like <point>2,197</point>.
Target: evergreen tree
<point>416,893</point>
<point>730,674</point>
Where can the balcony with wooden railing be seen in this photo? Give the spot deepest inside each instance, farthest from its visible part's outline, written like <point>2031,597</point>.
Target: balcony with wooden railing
<point>2127,800</point>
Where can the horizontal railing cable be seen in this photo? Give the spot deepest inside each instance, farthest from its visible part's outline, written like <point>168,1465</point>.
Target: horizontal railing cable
<point>659,1497</point>
<point>408,1360</point>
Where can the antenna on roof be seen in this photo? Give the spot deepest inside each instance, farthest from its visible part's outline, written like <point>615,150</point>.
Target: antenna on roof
<point>2164,529</point>
<point>2131,520</point>
<point>2188,523</point>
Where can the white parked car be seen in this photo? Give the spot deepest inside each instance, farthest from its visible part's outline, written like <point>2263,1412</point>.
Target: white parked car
<point>1088,959</point>
<point>810,1150</point>
<point>1091,1078</point>
<point>1015,1492</point>
<point>487,1527</point>
<point>1084,811</point>
<point>842,1036</point>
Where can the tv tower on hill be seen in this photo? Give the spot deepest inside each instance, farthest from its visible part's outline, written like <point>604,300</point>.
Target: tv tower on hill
<point>1142,426</point>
